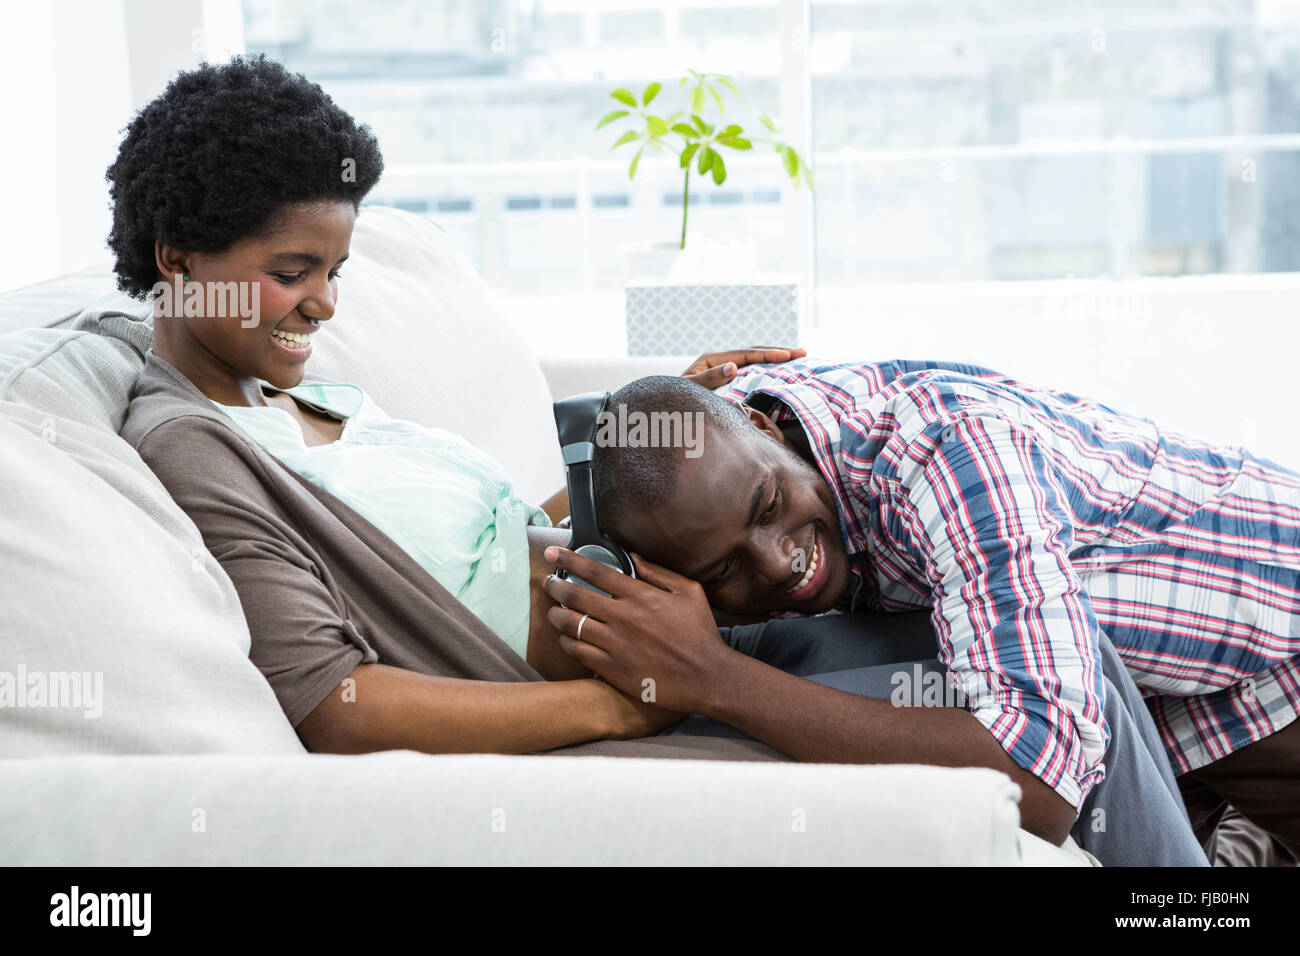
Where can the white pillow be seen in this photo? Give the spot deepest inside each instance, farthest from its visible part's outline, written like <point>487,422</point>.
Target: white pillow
<point>418,328</point>
<point>103,580</point>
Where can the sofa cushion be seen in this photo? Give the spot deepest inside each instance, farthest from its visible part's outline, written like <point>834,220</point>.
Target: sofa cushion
<point>80,376</point>
<point>419,329</point>
<point>112,609</point>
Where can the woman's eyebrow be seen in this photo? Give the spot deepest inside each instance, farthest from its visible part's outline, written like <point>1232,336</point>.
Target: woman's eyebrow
<point>305,258</point>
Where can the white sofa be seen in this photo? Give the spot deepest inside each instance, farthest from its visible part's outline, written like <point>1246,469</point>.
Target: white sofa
<point>177,752</point>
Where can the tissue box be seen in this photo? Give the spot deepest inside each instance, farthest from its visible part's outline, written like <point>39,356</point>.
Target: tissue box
<point>665,318</point>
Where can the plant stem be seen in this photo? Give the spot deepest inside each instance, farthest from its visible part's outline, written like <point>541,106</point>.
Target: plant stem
<point>686,203</point>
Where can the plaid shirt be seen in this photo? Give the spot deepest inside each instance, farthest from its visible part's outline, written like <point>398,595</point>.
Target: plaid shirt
<point>1026,518</point>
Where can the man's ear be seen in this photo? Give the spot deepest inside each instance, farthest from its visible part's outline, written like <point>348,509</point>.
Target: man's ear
<point>764,424</point>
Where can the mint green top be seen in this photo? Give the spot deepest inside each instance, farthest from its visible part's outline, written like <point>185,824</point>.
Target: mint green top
<point>450,506</point>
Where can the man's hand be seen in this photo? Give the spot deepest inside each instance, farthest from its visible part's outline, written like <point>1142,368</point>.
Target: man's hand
<point>654,637</point>
<point>718,368</point>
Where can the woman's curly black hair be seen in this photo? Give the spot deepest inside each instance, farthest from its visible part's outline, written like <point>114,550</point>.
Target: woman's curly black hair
<point>212,158</point>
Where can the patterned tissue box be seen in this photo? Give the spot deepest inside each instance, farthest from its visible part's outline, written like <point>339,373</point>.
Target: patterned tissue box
<point>665,319</point>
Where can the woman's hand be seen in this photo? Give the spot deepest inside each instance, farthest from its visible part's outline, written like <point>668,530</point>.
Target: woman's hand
<point>718,368</point>
<point>631,718</point>
<point>653,637</point>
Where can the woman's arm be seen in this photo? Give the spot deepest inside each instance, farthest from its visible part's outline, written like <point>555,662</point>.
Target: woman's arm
<point>557,506</point>
<point>387,708</point>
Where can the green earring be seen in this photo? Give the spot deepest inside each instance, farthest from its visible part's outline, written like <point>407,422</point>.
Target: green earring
<point>187,278</point>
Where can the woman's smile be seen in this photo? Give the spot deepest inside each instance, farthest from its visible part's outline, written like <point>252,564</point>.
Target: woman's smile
<point>294,345</point>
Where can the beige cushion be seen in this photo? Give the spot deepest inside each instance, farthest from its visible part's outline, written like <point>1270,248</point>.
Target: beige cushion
<point>105,578</point>
<point>419,329</point>
<point>80,376</point>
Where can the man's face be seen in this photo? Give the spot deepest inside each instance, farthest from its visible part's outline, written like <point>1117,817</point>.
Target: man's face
<point>750,520</point>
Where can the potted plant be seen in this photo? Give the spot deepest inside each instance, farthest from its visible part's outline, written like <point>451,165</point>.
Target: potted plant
<point>698,145</point>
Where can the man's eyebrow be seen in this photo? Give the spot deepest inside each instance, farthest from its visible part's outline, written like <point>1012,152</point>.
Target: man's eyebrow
<point>304,258</point>
<point>755,502</point>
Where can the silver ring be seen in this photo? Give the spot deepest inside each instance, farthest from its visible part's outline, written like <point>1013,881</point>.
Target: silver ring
<point>580,623</point>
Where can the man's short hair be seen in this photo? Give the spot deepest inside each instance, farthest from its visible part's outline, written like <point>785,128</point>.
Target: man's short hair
<point>628,478</point>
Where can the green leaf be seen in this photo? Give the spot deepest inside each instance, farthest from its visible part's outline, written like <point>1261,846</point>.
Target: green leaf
<point>702,126</point>
<point>656,126</point>
<point>625,97</point>
<point>650,93</point>
<point>628,137</point>
<point>687,153</point>
<point>767,121</point>
<point>684,131</point>
<point>719,169</point>
<point>717,99</point>
<point>736,142</point>
<point>726,81</point>
<point>631,170</point>
<point>791,161</point>
<point>697,99</point>
<point>610,117</point>
<point>706,160</point>
<point>731,130</point>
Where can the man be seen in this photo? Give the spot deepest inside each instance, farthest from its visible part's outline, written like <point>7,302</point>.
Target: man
<point>1028,521</point>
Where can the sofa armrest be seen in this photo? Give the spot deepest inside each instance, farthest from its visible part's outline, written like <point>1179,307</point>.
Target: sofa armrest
<point>403,808</point>
<point>567,377</point>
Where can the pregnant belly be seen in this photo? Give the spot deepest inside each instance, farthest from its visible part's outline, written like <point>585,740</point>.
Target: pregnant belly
<point>544,653</point>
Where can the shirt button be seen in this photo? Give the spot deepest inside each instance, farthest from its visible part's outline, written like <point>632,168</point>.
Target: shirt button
<point>948,433</point>
<point>1097,552</point>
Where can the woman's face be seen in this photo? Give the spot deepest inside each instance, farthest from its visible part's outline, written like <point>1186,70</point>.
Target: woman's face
<point>288,276</point>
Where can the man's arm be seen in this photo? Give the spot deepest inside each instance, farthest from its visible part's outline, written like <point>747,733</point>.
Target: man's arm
<point>389,708</point>
<point>815,723</point>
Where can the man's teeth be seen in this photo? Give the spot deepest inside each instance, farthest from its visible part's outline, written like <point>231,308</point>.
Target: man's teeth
<point>293,338</point>
<point>807,575</point>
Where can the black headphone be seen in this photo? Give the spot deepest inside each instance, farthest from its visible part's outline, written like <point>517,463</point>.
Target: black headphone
<point>576,420</point>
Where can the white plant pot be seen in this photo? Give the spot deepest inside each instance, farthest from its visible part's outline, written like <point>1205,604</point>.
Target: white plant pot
<point>649,260</point>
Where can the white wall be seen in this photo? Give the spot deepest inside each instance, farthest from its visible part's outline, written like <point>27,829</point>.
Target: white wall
<point>1214,357</point>
<point>72,73</point>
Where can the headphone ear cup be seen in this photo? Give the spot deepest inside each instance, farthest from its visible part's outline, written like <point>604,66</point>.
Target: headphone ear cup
<point>601,555</point>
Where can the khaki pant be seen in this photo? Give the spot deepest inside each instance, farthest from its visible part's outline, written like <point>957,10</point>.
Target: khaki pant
<point>1245,807</point>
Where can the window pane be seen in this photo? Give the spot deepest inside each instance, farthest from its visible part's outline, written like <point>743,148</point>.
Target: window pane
<point>1012,139</point>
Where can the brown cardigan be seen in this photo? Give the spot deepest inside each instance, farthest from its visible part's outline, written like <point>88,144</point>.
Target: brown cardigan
<point>322,588</point>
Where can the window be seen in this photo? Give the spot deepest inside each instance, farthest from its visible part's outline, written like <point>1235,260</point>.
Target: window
<point>1007,139</point>
<point>952,140</point>
<point>497,100</point>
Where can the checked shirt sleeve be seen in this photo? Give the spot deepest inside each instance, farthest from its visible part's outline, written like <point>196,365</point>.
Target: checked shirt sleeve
<point>986,514</point>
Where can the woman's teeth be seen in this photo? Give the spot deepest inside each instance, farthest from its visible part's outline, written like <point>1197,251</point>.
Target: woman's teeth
<point>808,575</point>
<point>295,339</point>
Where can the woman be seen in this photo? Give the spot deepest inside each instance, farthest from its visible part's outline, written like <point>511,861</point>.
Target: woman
<point>234,175</point>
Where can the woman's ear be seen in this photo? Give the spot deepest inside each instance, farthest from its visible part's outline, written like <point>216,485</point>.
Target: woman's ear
<point>170,260</point>
<point>764,424</point>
